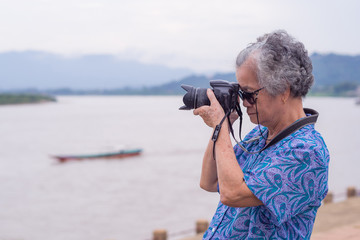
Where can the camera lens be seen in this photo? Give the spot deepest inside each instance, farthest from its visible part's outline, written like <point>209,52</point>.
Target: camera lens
<point>194,98</point>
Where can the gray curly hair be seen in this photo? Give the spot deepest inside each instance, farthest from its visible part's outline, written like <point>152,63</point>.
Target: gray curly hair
<point>280,61</point>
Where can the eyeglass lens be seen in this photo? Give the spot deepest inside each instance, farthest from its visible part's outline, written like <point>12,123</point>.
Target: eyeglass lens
<point>248,96</point>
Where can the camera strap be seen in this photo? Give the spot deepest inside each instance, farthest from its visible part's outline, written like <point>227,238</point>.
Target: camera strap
<point>217,131</point>
<point>218,127</point>
<point>311,118</point>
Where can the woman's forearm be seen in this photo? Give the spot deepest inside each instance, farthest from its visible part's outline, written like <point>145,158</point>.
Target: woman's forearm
<point>228,170</point>
<point>233,190</point>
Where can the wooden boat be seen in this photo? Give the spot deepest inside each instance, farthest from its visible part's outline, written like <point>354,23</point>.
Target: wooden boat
<point>111,155</point>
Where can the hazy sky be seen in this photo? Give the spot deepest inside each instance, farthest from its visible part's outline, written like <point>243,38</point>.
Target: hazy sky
<point>203,35</point>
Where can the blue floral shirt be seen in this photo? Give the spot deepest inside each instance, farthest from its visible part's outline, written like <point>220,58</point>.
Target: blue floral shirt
<point>290,178</point>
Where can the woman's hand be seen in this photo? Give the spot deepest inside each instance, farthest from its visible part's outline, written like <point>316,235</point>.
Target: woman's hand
<point>213,114</point>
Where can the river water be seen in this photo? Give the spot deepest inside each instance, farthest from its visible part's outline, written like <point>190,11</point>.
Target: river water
<point>129,198</point>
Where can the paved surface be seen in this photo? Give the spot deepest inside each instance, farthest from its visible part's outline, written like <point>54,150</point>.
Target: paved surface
<point>334,221</point>
<point>338,221</point>
<point>349,232</point>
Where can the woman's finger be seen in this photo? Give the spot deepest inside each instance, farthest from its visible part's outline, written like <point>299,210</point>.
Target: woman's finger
<point>200,110</point>
<point>211,95</point>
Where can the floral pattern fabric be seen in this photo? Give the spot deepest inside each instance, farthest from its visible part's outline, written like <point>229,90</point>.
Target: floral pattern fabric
<point>290,178</point>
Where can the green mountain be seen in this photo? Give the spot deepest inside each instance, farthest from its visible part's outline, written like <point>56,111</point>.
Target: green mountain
<point>193,80</point>
<point>330,69</point>
<point>334,75</point>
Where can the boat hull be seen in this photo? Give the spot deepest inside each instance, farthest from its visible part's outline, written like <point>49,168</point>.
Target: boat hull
<point>113,155</point>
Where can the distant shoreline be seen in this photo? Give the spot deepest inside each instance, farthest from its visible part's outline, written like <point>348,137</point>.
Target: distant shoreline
<point>15,99</point>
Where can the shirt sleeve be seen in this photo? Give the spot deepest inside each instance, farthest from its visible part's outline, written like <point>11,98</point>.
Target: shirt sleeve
<point>290,179</point>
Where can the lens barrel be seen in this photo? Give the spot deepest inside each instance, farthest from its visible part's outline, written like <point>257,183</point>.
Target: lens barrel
<point>225,92</point>
<point>194,98</point>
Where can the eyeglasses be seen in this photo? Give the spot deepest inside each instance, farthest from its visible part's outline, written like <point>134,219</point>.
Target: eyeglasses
<point>251,97</point>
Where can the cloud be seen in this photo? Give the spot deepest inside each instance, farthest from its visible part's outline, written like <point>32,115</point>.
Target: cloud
<point>202,35</point>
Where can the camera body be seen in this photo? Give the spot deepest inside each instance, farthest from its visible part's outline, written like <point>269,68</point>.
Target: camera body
<point>226,93</point>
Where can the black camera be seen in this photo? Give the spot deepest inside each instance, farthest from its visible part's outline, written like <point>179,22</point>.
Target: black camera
<point>226,93</point>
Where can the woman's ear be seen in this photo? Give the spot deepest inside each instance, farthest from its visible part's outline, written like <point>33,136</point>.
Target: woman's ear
<point>285,96</point>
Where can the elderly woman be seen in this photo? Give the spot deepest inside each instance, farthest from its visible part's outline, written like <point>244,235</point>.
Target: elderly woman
<point>272,192</point>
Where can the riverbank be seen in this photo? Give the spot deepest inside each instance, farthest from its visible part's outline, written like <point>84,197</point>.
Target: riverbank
<point>340,220</point>
<point>7,98</point>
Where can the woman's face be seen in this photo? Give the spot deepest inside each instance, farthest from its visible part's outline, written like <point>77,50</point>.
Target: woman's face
<point>269,108</point>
